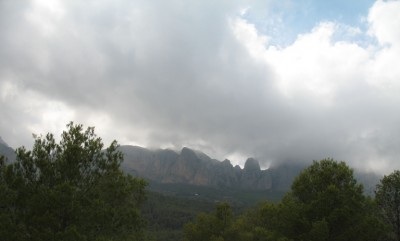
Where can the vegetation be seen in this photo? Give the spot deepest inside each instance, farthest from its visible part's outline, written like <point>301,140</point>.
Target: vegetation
<point>388,199</point>
<point>166,215</point>
<point>325,203</point>
<point>332,205</point>
<point>211,227</point>
<point>72,190</point>
<point>75,190</point>
<point>236,197</point>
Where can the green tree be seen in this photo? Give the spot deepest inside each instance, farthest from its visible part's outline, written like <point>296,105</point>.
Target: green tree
<point>325,203</point>
<point>71,190</point>
<point>210,226</point>
<point>263,223</point>
<point>388,199</point>
<point>329,205</point>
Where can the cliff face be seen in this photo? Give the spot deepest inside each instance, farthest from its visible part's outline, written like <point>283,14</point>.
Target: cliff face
<point>253,176</point>
<point>195,168</point>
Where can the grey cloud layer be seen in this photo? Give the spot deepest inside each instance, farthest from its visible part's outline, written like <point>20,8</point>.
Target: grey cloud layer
<point>177,73</point>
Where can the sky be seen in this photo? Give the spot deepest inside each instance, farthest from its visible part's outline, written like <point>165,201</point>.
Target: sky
<point>281,81</point>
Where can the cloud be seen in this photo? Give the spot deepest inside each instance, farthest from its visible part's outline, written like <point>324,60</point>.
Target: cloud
<point>384,22</point>
<point>202,75</point>
<point>342,93</point>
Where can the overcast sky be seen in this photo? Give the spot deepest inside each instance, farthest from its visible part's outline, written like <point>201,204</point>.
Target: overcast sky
<point>279,80</point>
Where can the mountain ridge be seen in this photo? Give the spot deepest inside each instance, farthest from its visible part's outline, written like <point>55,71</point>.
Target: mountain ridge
<point>193,167</point>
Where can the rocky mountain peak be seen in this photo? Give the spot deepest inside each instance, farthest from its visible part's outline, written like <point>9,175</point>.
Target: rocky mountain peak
<point>252,165</point>
<point>226,162</point>
<point>195,168</point>
<point>188,154</point>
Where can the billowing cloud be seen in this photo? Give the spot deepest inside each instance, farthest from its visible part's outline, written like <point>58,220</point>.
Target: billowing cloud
<point>173,74</point>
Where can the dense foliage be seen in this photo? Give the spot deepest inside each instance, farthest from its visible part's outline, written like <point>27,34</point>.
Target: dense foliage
<point>72,190</point>
<point>333,206</point>
<point>388,199</point>
<point>212,227</point>
<point>325,203</point>
<point>166,215</point>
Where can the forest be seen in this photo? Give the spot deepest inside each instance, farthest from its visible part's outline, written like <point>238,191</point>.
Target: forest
<point>74,189</point>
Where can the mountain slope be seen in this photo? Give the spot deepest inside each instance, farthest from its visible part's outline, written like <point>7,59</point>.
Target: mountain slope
<point>7,151</point>
<point>192,167</point>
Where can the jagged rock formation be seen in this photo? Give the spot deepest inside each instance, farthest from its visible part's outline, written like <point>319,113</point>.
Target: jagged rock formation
<point>252,176</point>
<point>196,168</point>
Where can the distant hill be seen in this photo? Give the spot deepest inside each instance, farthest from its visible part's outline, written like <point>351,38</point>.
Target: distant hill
<point>6,151</point>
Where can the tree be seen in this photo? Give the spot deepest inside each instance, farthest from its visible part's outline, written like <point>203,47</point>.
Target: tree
<point>262,223</point>
<point>325,203</point>
<point>329,205</point>
<point>71,190</point>
<point>210,226</point>
<point>387,195</point>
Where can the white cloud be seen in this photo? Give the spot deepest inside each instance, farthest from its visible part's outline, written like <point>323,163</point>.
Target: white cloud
<point>247,34</point>
<point>316,67</point>
<point>354,86</point>
<point>385,22</point>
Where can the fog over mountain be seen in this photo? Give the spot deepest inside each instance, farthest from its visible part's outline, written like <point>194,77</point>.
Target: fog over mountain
<point>282,81</point>
<point>191,167</point>
<point>195,168</point>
